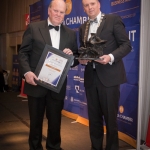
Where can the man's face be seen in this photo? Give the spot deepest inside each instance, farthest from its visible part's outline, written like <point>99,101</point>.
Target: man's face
<point>57,12</point>
<point>91,7</point>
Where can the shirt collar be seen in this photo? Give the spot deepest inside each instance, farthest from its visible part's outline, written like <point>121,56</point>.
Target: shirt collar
<point>99,17</point>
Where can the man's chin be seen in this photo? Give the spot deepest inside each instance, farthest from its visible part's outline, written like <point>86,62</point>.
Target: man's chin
<point>57,23</point>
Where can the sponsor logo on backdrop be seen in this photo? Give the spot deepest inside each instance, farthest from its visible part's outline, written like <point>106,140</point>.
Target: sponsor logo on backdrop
<point>132,35</point>
<point>77,88</point>
<point>78,78</point>
<point>119,2</point>
<point>74,68</point>
<point>122,117</point>
<point>71,99</point>
<point>128,16</point>
<point>82,69</point>
<point>77,101</point>
<point>69,6</point>
<point>121,109</point>
<point>66,97</point>
<point>81,80</point>
<point>132,49</point>
<point>75,20</point>
<point>68,87</point>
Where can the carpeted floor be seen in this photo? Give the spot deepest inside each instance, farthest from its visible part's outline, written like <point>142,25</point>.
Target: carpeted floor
<point>14,127</point>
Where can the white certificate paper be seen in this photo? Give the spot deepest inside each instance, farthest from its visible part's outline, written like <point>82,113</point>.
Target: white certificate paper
<point>52,69</point>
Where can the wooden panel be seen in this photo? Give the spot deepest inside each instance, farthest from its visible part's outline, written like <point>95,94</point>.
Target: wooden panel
<point>10,19</point>
<point>12,23</point>
<point>12,14</point>
<point>19,40</point>
<point>23,12</point>
<point>17,26</point>
<point>3,53</point>
<point>12,41</point>
<point>3,16</point>
<point>14,18</point>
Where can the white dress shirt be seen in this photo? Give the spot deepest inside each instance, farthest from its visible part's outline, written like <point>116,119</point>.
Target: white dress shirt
<point>54,35</point>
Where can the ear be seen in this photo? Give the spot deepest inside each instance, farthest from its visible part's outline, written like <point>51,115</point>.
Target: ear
<point>48,10</point>
<point>99,4</point>
<point>84,9</point>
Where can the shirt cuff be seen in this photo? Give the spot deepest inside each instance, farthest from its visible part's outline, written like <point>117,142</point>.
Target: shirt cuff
<point>111,59</point>
<point>72,63</point>
<point>26,73</point>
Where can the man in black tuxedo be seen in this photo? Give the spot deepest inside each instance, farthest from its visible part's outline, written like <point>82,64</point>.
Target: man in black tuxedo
<point>39,98</point>
<point>102,78</point>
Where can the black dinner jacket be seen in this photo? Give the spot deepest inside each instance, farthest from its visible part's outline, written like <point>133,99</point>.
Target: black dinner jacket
<point>34,40</point>
<point>111,29</point>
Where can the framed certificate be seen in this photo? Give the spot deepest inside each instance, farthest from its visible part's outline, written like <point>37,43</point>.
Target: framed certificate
<point>52,68</point>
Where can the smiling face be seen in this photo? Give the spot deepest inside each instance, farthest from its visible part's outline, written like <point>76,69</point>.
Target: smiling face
<point>56,12</point>
<point>91,7</point>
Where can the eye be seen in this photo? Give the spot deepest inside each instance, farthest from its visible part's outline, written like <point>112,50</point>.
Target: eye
<point>56,11</point>
<point>86,5</point>
<point>62,13</point>
<point>92,4</point>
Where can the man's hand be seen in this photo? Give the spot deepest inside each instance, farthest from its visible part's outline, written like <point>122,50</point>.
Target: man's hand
<point>105,59</point>
<point>30,76</point>
<point>68,51</point>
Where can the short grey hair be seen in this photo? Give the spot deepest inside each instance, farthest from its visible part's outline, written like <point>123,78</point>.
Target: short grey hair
<point>50,4</point>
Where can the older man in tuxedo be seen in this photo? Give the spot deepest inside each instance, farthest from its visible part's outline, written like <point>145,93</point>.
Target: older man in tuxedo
<point>52,32</point>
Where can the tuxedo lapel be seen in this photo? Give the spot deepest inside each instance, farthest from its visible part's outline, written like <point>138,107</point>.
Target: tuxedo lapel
<point>45,33</point>
<point>101,26</point>
<point>63,37</point>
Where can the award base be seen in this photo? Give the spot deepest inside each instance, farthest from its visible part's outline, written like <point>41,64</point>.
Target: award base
<point>89,58</point>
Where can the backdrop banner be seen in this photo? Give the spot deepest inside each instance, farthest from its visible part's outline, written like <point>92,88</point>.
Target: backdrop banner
<point>75,100</point>
<point>16,80</point>
<point>36,12</point>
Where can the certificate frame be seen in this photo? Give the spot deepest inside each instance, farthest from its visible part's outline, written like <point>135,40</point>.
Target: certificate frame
<point>57,63</point>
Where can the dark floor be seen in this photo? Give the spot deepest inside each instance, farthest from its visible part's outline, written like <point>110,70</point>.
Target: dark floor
<point>14,127</point>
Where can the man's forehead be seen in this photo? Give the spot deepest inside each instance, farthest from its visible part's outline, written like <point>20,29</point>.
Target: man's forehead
<point>89,1</point>
<point>58,5</point>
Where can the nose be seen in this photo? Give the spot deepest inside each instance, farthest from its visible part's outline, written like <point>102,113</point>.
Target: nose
<point>58,13</point>
<point>90,6</point>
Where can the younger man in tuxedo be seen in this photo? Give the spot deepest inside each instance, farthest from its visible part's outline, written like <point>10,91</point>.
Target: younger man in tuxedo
<point>102,77</point>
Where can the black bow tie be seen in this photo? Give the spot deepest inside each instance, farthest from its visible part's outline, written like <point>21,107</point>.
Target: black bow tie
<point>94,20</point>
<point>55,27</point>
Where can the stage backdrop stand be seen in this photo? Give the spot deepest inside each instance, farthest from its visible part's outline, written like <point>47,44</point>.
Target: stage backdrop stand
<point>22,89</point>
<point>15,74</point>
<point>148,135</point>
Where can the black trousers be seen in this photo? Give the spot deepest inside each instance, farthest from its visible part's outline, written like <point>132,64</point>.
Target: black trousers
<point>103,105</point>
<point>37,108</point>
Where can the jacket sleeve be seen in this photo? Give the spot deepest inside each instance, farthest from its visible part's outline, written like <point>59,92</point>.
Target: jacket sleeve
<point>25,50</point>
